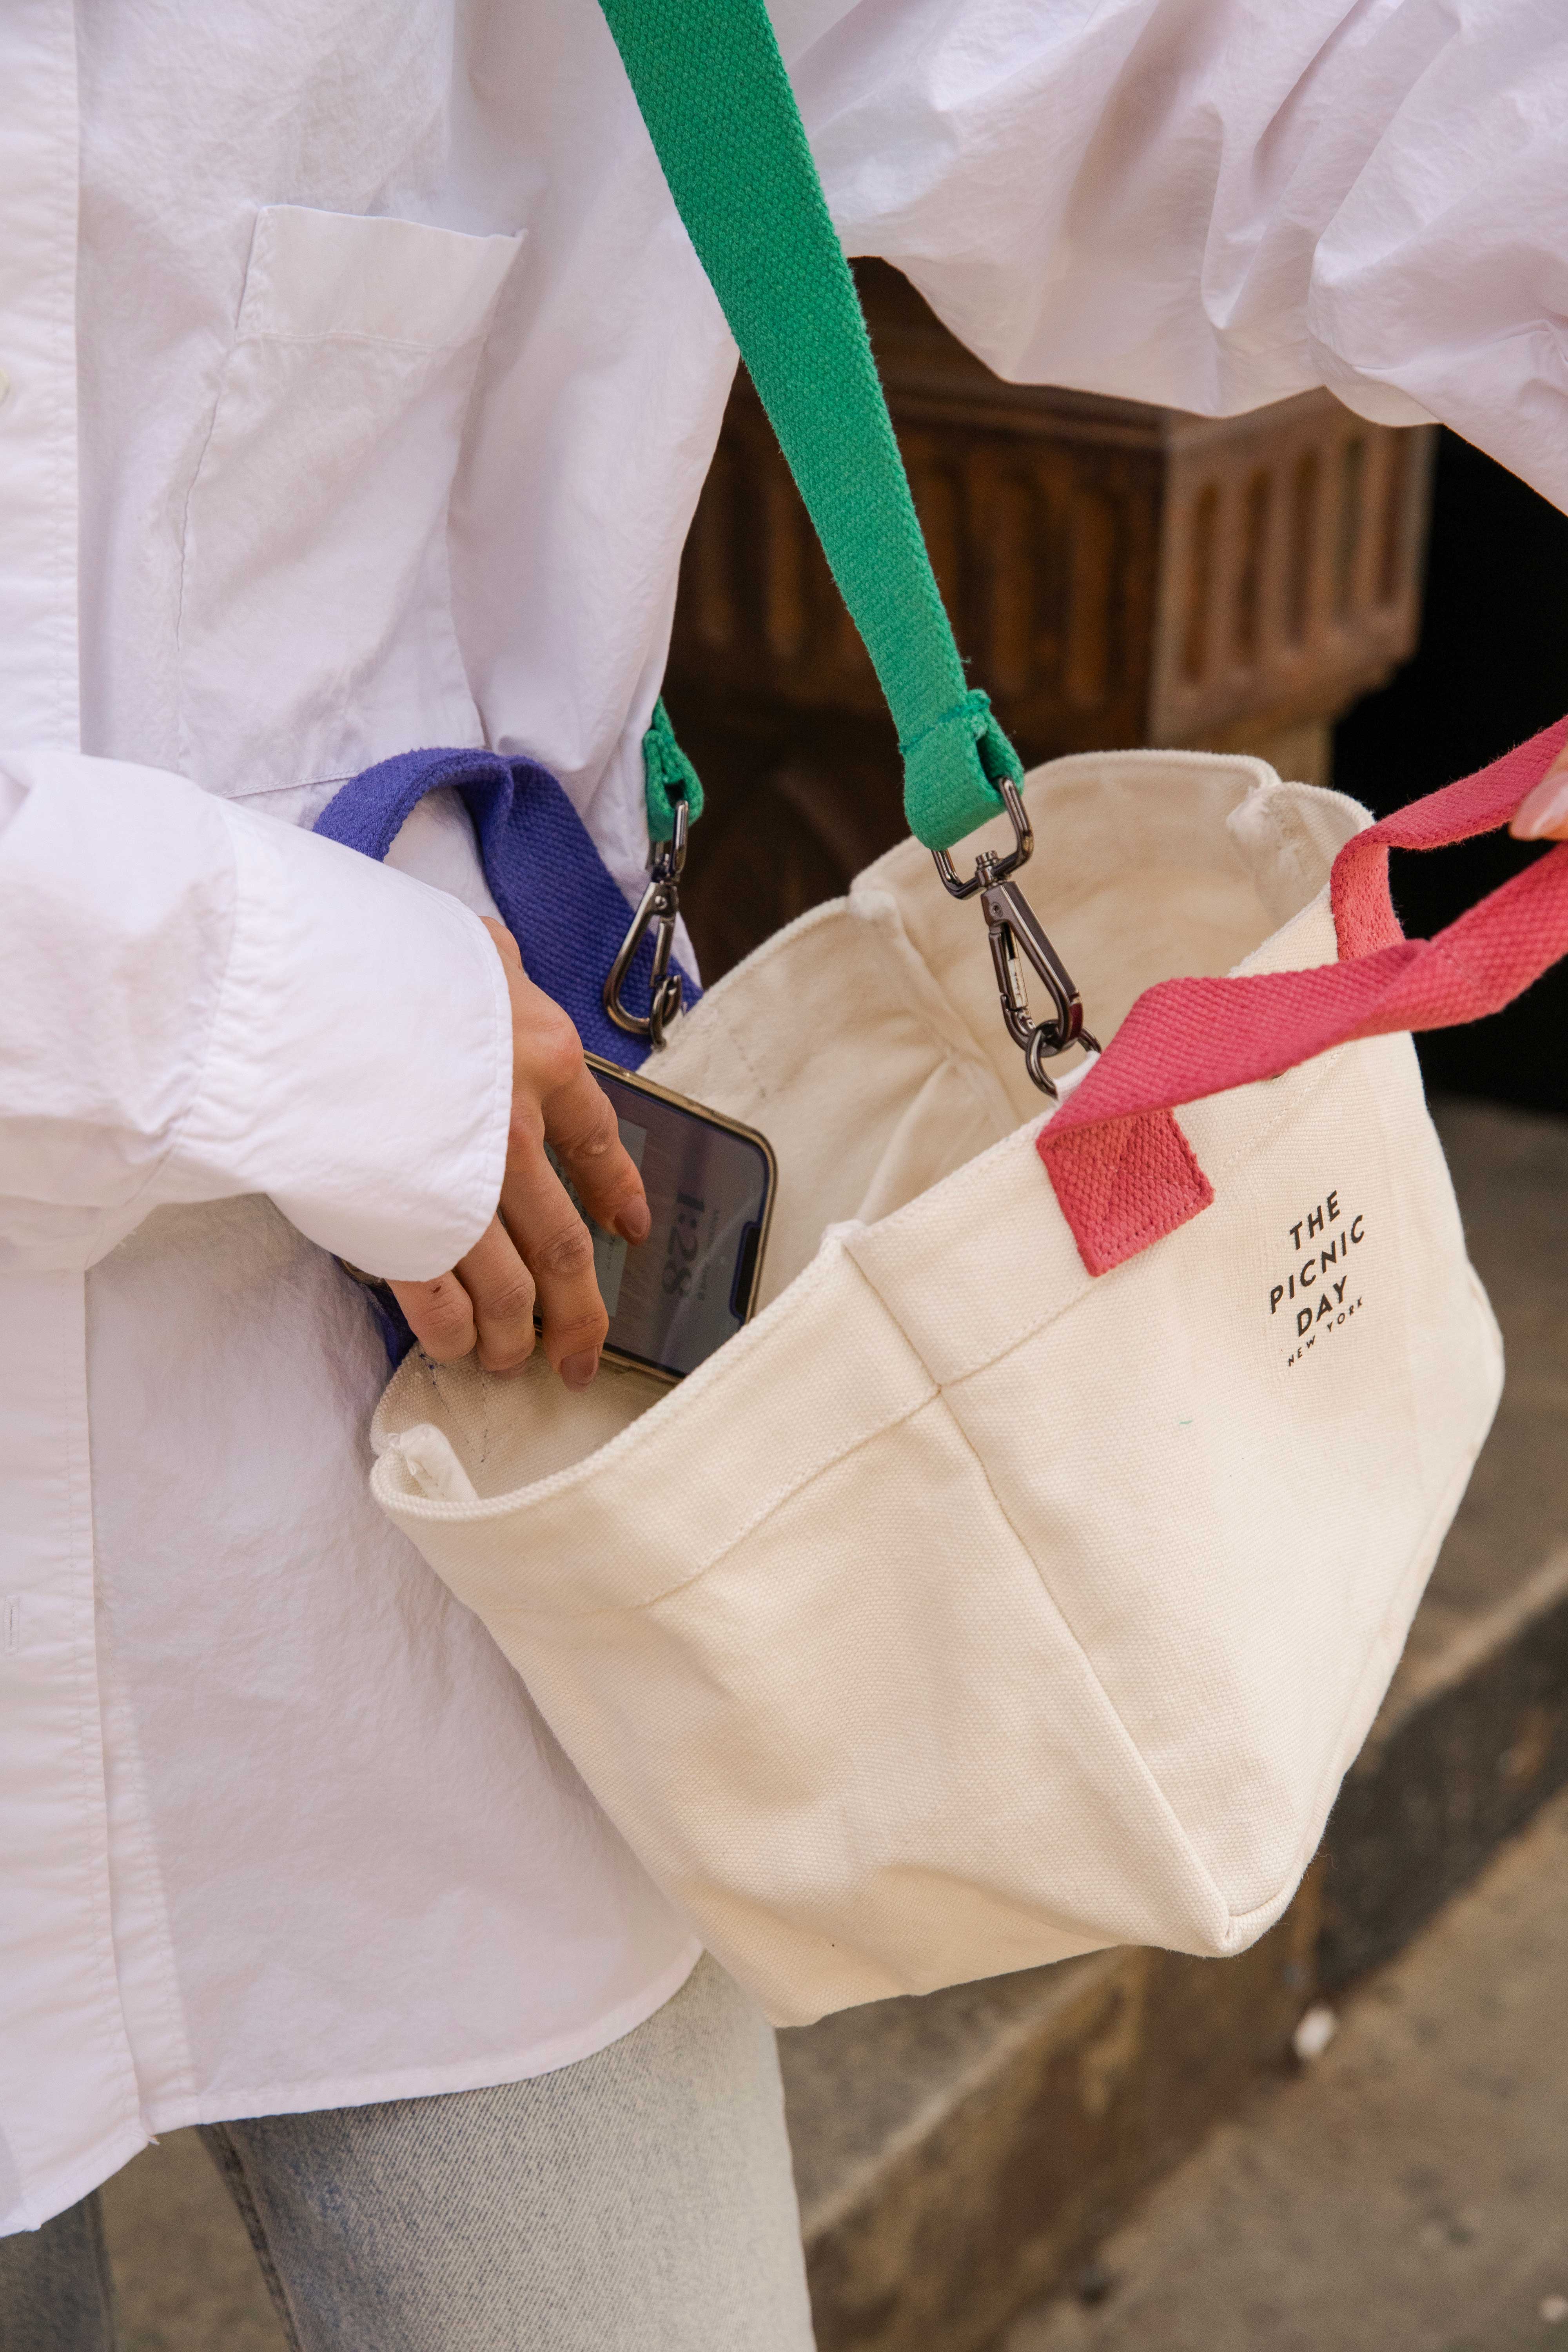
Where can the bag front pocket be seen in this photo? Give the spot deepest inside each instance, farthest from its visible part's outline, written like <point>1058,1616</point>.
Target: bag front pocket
<point>316,629</point>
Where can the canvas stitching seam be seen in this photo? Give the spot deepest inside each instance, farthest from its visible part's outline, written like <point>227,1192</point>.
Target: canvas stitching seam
<point>1175,1825</point>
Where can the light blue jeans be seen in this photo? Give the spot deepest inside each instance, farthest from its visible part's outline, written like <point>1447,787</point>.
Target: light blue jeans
<point>638,2201</point>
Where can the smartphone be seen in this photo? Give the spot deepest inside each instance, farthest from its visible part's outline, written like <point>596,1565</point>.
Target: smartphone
<point>710,1184</point>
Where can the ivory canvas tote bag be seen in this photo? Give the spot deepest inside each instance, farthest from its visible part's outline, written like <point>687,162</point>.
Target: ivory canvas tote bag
<point>1024,1577</point>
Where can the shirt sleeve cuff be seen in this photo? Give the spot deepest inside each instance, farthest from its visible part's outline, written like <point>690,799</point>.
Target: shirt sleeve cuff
<point>359,1065</point>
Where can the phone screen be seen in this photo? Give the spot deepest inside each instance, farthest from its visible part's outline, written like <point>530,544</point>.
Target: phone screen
<point>689,1287</point>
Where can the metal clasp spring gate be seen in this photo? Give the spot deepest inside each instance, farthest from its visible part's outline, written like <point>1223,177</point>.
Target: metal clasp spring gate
<point>658,912</point>
<point>1010,923</point>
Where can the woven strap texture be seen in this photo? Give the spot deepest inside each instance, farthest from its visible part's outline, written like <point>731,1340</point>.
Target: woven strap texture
<point>1124,1174</point>
<point>718,104</point>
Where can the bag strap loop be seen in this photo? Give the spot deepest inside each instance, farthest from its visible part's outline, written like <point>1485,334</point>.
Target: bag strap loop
<point>553,890</point>
<point>667,776</point>
<point>1123,1170</point>
<point>719,107</point>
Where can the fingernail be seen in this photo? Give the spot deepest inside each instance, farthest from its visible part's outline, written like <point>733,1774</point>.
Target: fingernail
<point>578,1370</point>
<point>633,1221</point>
<point>1544,809</point>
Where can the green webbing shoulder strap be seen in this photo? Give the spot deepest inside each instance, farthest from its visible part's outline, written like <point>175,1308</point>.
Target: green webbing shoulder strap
<point>718,103</point>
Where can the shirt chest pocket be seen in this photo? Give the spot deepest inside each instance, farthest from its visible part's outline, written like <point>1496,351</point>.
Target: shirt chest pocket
<point>316,629</point>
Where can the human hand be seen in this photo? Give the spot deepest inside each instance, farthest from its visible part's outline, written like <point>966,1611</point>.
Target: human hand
<point>539,1248</point>
<point>1542,814</point>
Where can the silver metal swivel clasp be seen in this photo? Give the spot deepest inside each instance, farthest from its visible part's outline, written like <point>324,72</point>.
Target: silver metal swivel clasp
<point>658,912</point>
<point>1011,924</point>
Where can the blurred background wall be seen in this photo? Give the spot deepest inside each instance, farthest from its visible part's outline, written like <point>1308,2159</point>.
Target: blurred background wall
<point>1490,667</point>
<point>1382,610</point>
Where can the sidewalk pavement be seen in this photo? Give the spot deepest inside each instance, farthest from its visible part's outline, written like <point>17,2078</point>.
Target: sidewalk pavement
<point>1408,2193</point>
<point>186,2277</point>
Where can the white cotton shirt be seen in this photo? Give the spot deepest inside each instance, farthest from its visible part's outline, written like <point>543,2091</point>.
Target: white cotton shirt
<point>360,383</point>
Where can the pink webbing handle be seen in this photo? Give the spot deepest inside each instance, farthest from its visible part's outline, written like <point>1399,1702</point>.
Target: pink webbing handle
<point>1123,1171</point>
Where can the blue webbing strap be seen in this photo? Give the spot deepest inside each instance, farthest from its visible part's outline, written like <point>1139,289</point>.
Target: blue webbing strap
<point>555,893</point>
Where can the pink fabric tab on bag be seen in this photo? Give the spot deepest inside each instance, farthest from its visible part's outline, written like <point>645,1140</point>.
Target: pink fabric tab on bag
<point>1123,1171</point>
